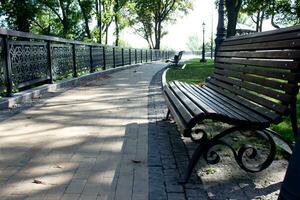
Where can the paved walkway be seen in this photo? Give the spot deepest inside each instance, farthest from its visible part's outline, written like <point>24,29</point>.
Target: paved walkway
<point>107,140</point>
<point>89,142</point>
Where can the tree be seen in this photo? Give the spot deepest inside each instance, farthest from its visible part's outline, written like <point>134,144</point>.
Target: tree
<point>67,15</point>
<point>233,8</point>
<point>98,6</point>
<point>19,13</point>
<point>86,7</point>
<point>194,43</point>
<point>151,15</point>
<point>281,12</point>
<point>119,18</point>
<point>107,15</point>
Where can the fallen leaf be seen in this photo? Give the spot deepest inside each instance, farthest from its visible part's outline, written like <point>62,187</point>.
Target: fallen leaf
<point>36,181</point>
<point>58,166</point>
<point>136,161</point>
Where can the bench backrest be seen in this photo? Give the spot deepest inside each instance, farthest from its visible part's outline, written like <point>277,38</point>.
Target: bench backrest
<point>178,57</point>
<point>261,68</point>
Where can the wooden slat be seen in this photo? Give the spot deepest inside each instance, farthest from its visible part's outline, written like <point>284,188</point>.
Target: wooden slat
<point>287,76</point>
<point>286,44</point>
<point>266,38</point>
<point>189,104</point>
<point>281,64</point>
<point>257,99</point>
<point>287,54</point>
<point>289,88</point>
<point>216,106</point>
<point>193,97</point>
<point>209,103</point>
<point>255,88</point>
<point>185,113</point>
<point>260,110</point>
<point>178,118</point>
<point>219,102</point>
<point>247,112</point>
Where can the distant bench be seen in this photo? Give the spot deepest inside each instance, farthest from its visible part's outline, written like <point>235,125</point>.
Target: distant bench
<point>254,85</point>
<point>176,58</point>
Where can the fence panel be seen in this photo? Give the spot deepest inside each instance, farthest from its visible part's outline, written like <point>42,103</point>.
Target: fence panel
<point>118,56</point>
<point>97,56</point>
<point>28,62</point>
<point>62,62</point>
<point>138,53</point>
<point>109,57</point>
<point>83,61</point>
<point>132,56</point>
<point>126,56</point>
<point>145,58</point>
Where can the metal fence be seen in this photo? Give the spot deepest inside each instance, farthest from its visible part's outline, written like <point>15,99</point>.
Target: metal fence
<point>28,60</point>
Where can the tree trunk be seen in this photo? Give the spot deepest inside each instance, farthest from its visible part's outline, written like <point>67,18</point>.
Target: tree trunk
<point>233,7</point>
<point>106,35</point>
<point>99,23</point>
<point>86,20</point>
<point>117,30</point>
<point>257,21</point>
<point>22,20</point>
<point>261,21</point>
<point>158,37</point>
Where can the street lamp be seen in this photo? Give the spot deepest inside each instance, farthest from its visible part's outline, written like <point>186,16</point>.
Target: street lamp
<point>203,45</point>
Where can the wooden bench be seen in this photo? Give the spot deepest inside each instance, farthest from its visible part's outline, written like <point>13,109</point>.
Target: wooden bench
<point>176,59</point>
<point>254,85</point>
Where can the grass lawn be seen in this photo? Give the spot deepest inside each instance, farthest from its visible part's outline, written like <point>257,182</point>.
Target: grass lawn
<point>196,72</point>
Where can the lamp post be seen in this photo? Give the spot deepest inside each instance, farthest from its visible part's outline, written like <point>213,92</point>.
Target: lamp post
<point>203,45</point>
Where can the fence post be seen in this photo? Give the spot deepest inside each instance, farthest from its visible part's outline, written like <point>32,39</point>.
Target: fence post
<point>123,63</point>
<point>8,73</point>
<point>74,61</point>
<point>135,53</point>
<point>104,61</point>
<point>141,52</point>
<point>146,55</point>
<point>130,56</point>
<point>49,58</point>
<point>114,58</point>
<point>92,69</point>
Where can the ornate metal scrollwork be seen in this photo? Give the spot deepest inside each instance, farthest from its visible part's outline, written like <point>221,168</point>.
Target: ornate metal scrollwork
<point>198,135</point>
<point>109,56</point>
<point>126,57</point>
<point>82,58</point>
<point>28,61</point>
<point>247,156</point>
<point>97,55</point>
<point>118,56</point>
<point>62,64</point>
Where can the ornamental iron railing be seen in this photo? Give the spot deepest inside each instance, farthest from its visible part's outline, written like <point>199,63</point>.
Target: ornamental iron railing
<point>28,60</point>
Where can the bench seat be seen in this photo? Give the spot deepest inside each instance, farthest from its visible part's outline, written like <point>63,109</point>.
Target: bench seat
<point>192,103</point>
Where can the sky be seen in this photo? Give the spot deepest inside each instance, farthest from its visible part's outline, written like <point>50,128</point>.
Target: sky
<point>185,26</point>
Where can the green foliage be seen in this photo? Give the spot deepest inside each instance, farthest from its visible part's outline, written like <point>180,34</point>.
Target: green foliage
<point>281,12</point>
<point>19,14</point>
<point>149,17</point>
